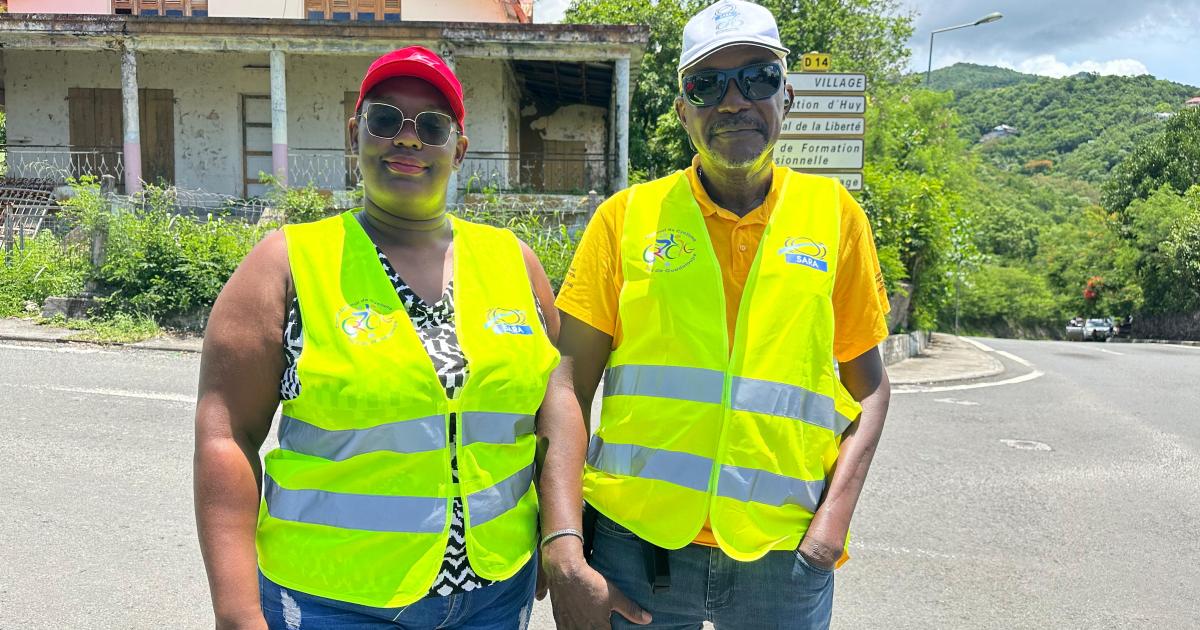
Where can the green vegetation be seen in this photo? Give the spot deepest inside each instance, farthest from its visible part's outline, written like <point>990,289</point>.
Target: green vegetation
<point>46,266</point>
<point>967,77</point>
<point>118,328</point>
<point>1170,158</point>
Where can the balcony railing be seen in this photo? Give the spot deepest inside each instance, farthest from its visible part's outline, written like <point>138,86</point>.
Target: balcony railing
<point>498,171</point>
<point>58,163</point>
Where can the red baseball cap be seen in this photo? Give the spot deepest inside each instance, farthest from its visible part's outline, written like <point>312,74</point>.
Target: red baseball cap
<point>422,63</point>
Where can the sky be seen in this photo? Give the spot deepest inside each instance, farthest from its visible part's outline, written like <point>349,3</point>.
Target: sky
<point>1048,37</point>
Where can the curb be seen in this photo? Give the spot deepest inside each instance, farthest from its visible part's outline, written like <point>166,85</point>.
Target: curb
<point>996,368</point>
<point>150,344</point>
<point>1165,342</point>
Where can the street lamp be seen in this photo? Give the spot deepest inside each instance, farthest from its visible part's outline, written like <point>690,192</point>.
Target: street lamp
<point>987,19</point>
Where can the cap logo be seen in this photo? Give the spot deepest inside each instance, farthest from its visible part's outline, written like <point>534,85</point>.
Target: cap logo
<point>726,18</point>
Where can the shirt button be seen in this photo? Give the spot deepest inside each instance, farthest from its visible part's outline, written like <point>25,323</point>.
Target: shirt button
<point>741,248</point>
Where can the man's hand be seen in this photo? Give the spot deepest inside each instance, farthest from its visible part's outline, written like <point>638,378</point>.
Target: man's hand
<point>582,598</point>
<point>822,554</point>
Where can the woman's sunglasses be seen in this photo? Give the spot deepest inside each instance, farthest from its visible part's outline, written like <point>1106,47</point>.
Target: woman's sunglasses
<point>756,81</point>
<point>385,121</point>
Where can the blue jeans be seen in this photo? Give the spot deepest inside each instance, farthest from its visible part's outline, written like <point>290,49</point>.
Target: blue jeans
<point>780,590</point>
<point>500,606</point>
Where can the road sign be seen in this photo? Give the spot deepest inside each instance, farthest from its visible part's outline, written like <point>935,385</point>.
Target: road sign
<point>827,82</point>
<point>852,181</point>
<point>806,104</point>
<point>797,127</point>
<point>815,62</point>
<point>803,153</point>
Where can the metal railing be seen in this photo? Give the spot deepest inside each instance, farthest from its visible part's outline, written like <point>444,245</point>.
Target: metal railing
<point>535,172</point>
<point>498,171</point>
<point>60,163</point>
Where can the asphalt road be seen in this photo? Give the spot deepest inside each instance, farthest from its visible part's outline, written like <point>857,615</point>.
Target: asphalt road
<point>1066,500</point>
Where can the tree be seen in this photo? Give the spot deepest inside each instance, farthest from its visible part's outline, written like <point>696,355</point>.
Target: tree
<point>1169,158</point>
<point>862,35</point>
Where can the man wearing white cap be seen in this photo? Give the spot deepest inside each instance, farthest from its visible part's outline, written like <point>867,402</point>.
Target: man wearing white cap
<point>733,310</point>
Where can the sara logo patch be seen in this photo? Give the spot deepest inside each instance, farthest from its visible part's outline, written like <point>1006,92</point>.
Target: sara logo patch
<point>508,321</point>
<point>805,251</point>
<point>364,323</point>
<point>669,250</point>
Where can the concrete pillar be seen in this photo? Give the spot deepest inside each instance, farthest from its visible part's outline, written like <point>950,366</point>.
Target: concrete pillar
<point>279,117</point>
<point>131,122</point>
<point>452,185</point>
<point>610,147</point>
<point>621,78</point>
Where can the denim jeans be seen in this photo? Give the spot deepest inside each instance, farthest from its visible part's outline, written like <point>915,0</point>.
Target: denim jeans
<point>780,590</point>
<point>500,606</point>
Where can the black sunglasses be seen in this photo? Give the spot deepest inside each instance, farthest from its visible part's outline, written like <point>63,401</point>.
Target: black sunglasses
<point>385,121</point>
<point>756,81</point>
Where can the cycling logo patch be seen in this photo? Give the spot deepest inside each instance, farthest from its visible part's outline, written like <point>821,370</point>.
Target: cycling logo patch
<point>669,250</point>
<point>364,323</point>
<point>508,321</point>
<point>805,251</point>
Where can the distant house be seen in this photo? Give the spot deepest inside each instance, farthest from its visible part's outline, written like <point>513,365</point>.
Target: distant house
<point>1163,115</point>
<point>1192,102</point>
<point>1000,131</point>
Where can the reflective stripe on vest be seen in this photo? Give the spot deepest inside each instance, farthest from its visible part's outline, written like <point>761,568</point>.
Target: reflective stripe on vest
<point>414,515</point>
<point>704,386</point>
<point>409,436</point>
<point>693,472</point>
<point>495,428</point>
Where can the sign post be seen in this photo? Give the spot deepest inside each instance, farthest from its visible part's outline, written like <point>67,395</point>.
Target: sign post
<point>823,132</point>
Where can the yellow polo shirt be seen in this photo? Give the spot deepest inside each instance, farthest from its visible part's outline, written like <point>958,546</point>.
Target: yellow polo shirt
<point>860,304</point>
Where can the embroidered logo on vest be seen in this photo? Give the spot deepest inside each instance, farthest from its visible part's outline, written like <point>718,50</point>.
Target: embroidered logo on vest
<point>364,324</point>
<point>805,251</point>
<point>669,250</point>
<point>508,321</point>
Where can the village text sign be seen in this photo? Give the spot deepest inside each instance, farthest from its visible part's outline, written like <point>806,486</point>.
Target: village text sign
<point>824,129</point>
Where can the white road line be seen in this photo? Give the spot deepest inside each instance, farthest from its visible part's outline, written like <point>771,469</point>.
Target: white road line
<point>1120,354</point>
<point>120,393</point>
<point>1009,355</point>
<point>953,388</point>
<point>980,345</point>
<point>955,401</point>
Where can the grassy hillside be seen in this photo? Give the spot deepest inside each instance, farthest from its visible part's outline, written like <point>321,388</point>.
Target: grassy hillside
<point>968,77</point>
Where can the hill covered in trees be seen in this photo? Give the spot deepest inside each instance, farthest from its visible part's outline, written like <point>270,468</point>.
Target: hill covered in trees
<point>967,77</point>
<point>1079,126</point>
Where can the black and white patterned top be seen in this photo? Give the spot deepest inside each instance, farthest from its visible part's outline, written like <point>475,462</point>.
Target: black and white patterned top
<point>435,327</point>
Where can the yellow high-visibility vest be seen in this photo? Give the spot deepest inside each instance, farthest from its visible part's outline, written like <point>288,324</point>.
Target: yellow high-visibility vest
<point>692,430</point>
<point>358,497</point>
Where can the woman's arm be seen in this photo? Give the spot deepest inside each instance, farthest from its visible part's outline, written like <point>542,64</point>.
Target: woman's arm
<point>240,369</point>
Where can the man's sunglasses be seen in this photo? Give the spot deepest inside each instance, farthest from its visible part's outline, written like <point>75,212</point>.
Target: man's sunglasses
<point>385,121</point>
<point>756,81</point>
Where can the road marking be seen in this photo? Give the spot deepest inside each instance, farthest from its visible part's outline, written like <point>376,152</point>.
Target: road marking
<point>1011,356</point>
<point>955,401</point>
<point>1027,445</point>
<point>120,393</point>
<point>58,350</point>
<point>980,345</point>
<point>954,388</point>
<point>1120,354</point>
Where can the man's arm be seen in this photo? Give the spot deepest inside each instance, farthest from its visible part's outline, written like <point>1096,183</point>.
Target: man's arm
<point>866,380</point>
<point>582,598</point>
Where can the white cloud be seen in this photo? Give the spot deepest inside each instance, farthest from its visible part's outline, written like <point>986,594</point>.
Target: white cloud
<point>1050,66</point>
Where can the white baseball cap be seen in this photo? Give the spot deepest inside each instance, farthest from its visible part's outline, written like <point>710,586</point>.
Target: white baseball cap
<point>727,23</point>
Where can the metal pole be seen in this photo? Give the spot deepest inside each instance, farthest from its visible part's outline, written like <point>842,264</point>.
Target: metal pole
<point>622,78</point>
<point>929,68</point>
<point>132,147</point>
<point>279,118</point>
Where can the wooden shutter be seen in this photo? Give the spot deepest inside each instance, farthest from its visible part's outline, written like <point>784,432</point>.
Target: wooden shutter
<point>157,128</point>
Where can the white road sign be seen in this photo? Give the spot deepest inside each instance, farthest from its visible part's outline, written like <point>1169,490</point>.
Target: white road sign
<point>827,82</point>
<point>803,153</point>
<point>806,104</point>
<point>825,126</point>
<point>852,181</point>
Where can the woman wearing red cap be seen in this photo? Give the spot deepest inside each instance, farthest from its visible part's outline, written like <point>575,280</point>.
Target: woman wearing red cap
<point>418,378</point>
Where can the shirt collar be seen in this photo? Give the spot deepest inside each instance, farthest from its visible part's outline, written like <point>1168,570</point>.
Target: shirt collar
<point>708,207</point>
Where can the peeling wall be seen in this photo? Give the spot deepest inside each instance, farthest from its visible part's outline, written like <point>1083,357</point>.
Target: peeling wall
<point>92,7</point>
<point>257,8</point>
<point>455,11</point>
<point>491,96</point>
<point>578,123</point>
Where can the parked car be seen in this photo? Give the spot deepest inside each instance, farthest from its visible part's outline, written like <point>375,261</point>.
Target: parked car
<point>1124,328</point>
<point>1075,329</point>
<point>1097,329</point>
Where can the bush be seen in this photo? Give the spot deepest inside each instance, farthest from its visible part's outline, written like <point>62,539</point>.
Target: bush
<point>1014,297</point>
<point>45,267</point>
<point>299,205</point>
